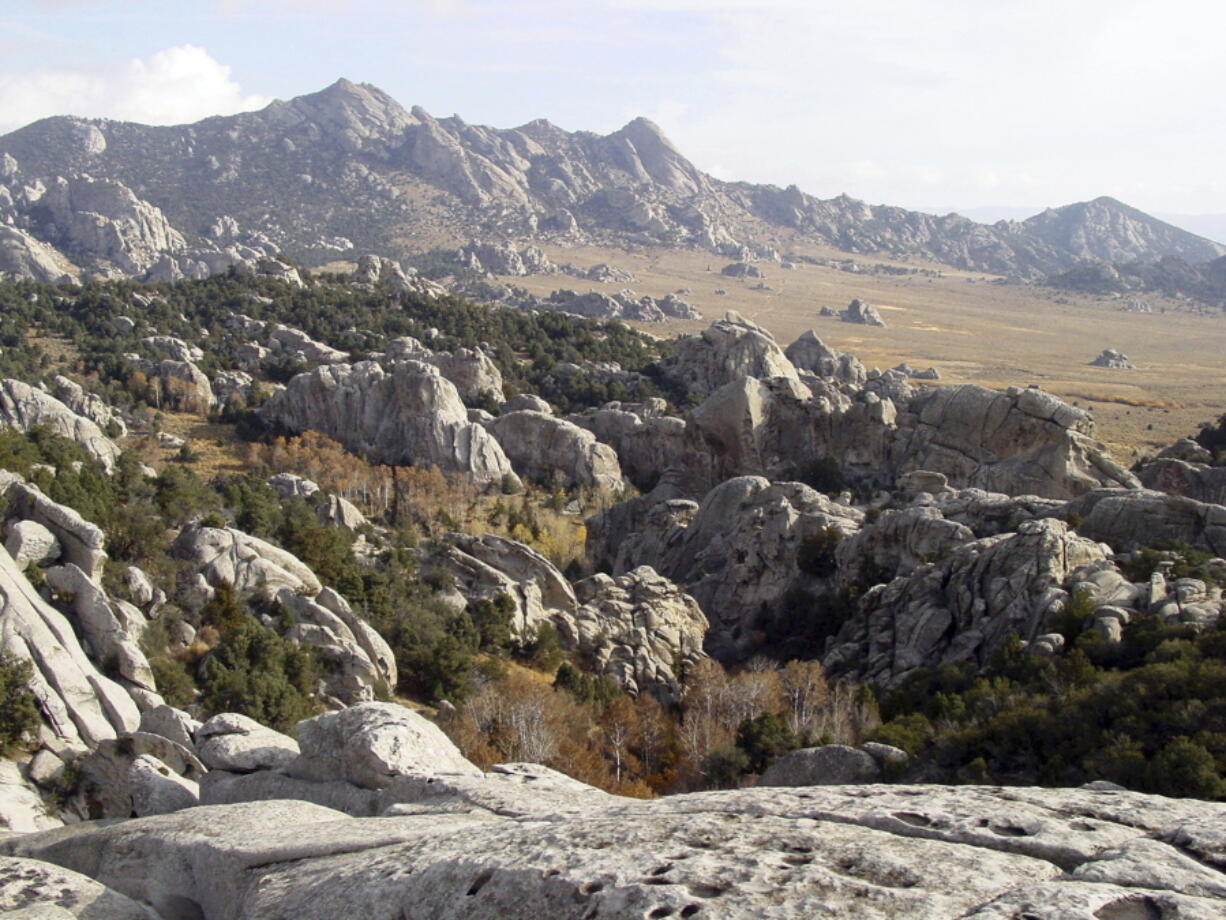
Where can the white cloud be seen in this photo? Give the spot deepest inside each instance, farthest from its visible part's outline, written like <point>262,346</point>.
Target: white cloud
<point>173,86</point>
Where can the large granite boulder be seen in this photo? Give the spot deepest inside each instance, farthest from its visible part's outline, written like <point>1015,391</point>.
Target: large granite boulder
<point>638,629</point>
<point>182,385</point>
<point>862,314</point>
<point>372,744</point>
<point>298,346</point>
<point>410,415</point>
<point>158,790</point>
<point>811,355</point>
<point>726,351</point>
<point>1200,481</point>
<point>239,744</point>
<point>23,407</point>
<point>828,765</point>
<point>1130,519</point>
<point>963,607</point>
<point>648,442</point>
<point>1021,442</point>
<point>753,427</point>
<point>474,373</point>
<point>22,807</point>
<point>249,564</point>
<point>77,702</point>
<point>30,543</point>
<point>81,542</point>
<point>551,449</point>
<point>484,567</point>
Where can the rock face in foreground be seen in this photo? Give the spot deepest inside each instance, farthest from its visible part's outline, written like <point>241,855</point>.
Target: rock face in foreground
<point>863,852</point>
<point>411,415</point>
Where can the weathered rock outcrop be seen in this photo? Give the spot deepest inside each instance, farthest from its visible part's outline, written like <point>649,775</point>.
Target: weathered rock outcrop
<point>550,449</point>
<point>32,889</point>
<point>182,385</point>
<point>639,629</point>
<point>1130,519</point>
<point>896,543</point>
<point>487,566</point>
<point>373,744</point>
<point>809,354</point>
<point>963,607</point>
<point>356,661</point>
<point>410,415</point>
<point>81,543</point>
<point>239,744</point>
<point>1018,442</point>
<point>23,406</point>
<point>103,219</point>
<point>390,275</point>
<point>1115,359</point>
<point>868,852</point>
<point>22,256</point>
<point>648,442</point>
<point>88,405</point>
<point>249,564</point>
<point>1200,481</point>
<point>861,313</point>
<point>78,703</point>
<point>623,304</point>
<point>503,259</point>
<point>724,352</point>
<point>828,765</point>
<point>736,552</point>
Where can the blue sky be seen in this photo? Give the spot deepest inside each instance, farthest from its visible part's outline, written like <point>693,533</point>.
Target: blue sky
<point>956,103</point>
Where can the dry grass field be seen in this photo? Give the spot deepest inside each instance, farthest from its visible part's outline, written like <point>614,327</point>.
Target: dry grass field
<point>972,328</point>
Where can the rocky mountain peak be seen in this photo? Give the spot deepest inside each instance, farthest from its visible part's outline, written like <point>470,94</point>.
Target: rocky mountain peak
<point>1107,229</point>
<point>356,114</point>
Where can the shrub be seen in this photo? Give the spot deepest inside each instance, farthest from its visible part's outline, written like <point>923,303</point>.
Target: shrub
<point>255,672</point>
<point>816,555</point>
<point>764,740</point>
<point>19,714</point>
<point>823,474</point>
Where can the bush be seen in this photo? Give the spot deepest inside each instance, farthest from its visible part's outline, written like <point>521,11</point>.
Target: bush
<point>816,555</point>
<point>823,474</point>
<point>19,713</point>
<point>764,740</point>
<point>255,672</point>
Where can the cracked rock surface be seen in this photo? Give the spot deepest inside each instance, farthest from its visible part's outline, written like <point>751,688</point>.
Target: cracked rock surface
<point>986,852</point>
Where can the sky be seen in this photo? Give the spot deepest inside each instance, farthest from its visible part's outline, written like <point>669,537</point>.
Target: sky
<point>931,104</point>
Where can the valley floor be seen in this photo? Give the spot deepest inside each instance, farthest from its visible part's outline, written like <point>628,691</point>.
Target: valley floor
<point>971,327</point>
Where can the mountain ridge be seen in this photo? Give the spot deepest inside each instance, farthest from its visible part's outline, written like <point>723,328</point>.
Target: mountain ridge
<point>350,169</point>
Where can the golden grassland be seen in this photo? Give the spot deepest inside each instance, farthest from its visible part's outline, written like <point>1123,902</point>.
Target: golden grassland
<point>972,328</point>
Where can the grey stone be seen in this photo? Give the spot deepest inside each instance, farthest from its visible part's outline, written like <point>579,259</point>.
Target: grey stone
<point>157,790</point>
<point>372,744</point>
<point>829,765</point>
<point>35,890</point>
<point>239,744</point>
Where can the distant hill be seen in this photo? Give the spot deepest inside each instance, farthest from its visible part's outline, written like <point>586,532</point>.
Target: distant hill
<point>349,170</point>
